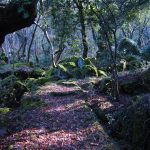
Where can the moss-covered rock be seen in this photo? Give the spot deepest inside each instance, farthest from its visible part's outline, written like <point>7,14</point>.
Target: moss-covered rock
<point>3,117</point>
<point>38,72</point>
<point>133,123</point>
<point>30,102</point>
<point>102,73</point>
<point>77,73</point>
<point>11,90</point>
<point>76,68</point>
<point>3,59</point>
<point>33,83</point>
<point>89,71</point>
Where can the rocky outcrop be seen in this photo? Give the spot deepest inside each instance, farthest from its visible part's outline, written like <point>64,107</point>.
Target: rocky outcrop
<point>16,15</point>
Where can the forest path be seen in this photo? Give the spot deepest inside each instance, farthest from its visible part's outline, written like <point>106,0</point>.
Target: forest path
<point>65,123</point>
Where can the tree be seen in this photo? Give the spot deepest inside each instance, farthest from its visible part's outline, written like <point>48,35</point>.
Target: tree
<point>79,4</point>
<point>109,18</point>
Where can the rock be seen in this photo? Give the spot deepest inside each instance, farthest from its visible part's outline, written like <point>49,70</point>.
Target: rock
<point>133,124</point>
<point>3,132</point>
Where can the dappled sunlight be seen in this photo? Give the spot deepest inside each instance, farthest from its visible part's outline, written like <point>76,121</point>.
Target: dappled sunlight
<point>66,107</point>
<point>42,138</point>
<point>51,87</point>
<point>65,123</point>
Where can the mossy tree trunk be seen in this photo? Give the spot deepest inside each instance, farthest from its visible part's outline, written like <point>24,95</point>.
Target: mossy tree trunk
<point>83,29</point>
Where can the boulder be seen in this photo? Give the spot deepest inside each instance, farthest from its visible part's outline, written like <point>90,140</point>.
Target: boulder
<point>133,124</point>
<point>15,15</point>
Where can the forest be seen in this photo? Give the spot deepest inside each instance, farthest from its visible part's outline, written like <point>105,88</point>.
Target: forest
<point>74,74</point>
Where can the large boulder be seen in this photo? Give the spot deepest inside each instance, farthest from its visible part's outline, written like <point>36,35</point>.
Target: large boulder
<point>133,124</point>
<point>129,83</point>
<point>15,15</point>
<point>11,90</point>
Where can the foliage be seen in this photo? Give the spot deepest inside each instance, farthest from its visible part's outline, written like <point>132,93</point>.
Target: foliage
<point>128,46</point>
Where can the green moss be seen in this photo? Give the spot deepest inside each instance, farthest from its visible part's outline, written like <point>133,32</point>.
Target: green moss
<point>62,68</point>
<point>102,73</point>
<point>31,102</point>
<point>11,91</point>
<point>42,80</point>
<point>49,72</point>
<point>67,83</point>
<point>32,82</point>
<point>4,110</point>
<point>132,124</point>
<point>77,73</point>
<point>70,68</point>
<point>70,65</point>
<point>87,61</point>
<point>39,72</point>
<point>3,116</point>
<point>89,71</point>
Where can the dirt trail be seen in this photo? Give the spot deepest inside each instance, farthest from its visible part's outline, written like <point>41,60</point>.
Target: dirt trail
<point>65,123</point>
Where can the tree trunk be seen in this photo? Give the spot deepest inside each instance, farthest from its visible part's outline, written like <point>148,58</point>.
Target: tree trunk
<point>83,29</point>
<point>32,39</point>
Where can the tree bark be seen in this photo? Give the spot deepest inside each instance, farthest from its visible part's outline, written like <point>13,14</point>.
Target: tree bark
<point>83,29</point>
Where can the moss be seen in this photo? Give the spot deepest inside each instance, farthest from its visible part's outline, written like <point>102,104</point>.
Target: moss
<point>102,73</point>
<point>71,69</point>
<point>66,93</point>
<point>67,83</point>
<point>2,62</point>
<point>42,80</point>
<point>89,71</point>
<point>32,82</point>
<point>38,72</point>
<point>3,58</point>
<point>3,116</point>
<point>77,73</point>
<point>87,61</point>
<point>69,65</point>
<point>30,103</point>
<point>62,68</point>
<point>11,91</point>
<point>132,124</point>
<point>4,110</point>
